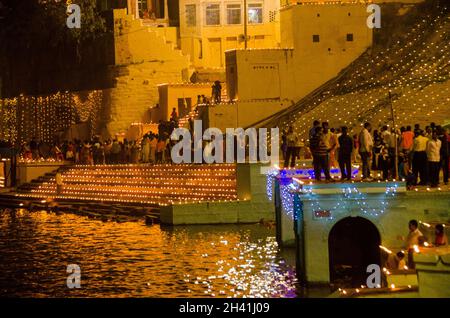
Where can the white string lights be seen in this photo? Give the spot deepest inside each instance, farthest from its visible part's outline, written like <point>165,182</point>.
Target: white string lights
<point>416,70</point>
<point>25,117</point>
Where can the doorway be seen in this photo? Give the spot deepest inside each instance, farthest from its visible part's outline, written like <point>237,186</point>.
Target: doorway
<point>353,244</point>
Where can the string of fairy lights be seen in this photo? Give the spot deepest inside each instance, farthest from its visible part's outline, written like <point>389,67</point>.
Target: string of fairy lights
<point>415,70</point>
<point>350,197</point>
<point>150,184</point>
<point>25,117</point>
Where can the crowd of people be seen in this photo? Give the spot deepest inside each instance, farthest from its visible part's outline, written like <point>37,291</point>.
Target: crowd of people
<point>420,153</point>
<point>152,148</point>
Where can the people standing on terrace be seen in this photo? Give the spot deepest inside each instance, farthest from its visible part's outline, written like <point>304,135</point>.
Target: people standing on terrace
<point>216,92</point>
<point>107,148</point>
<point>345,154</point>
<point>384,161</point>
<point>98,153</point>
<point>312,131</point>
<point>115,151</point>
<point>153,142</point>
<point>419,162</point>
<point>70,156</point>
<point>444,152</point>
<point>174,115</point>
<point>134,152</point>
<point>428,132</point>
<point>299,145</point>
<point>376,151</point>
<point>291,140</point>
<point>34,147</point>
<point>145,146</point>
<point>330,143</point>
<point>160,149</point>
<point>355,148</point>
<point>320,155</point>
<point>385,135</point>
<point>434,159</point>
<point>334,145</point>
<point>417,130</point>
<point>365,150</point>
<point>407,142</point>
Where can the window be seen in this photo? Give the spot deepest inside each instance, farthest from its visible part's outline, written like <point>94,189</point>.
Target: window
<point>234,14</point>
<point>255,13</point>
<point>212,14</point>
<point>191,15</point>
<point>142,5</point>
<point>349,37</point>
<point>316,38</point>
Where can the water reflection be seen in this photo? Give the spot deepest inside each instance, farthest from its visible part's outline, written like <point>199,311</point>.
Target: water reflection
<point>134,260</point>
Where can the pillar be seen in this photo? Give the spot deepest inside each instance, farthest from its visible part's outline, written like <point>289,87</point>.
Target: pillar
<point>137,9</point>
<point>129,6</point>
<point>166,11</point>
<point>299,229</point>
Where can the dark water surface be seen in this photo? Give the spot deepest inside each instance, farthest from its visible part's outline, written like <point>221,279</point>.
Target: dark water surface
<point>132,259</point>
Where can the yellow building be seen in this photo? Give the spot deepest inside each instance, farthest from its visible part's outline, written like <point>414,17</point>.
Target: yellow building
<point>151,11</point>
<point>317,42</point>
<point>145,56</point>
<point>210,27</point>
<point>181,96</point>
<point>324,39</point>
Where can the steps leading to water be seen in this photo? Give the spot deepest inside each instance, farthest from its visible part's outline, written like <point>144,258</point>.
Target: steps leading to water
<point>141,183</point>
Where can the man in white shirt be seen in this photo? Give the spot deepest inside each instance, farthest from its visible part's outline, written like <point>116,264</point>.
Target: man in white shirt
<point>434,158</point>
<point>412,240</point>
<point>365,150</point>
<point>385,135</point>
<point>419,162</point>
<point>413,236</point>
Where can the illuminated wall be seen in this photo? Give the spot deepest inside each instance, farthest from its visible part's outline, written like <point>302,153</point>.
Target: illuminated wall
<point>209,28</point>
<point>48,118</point>
<point>326,38</point>
<point>261,74</point>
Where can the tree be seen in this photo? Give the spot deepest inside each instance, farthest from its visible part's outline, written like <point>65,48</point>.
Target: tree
<point>35,39</point>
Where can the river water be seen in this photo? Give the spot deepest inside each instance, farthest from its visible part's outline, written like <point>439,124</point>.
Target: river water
<point>132,259</point>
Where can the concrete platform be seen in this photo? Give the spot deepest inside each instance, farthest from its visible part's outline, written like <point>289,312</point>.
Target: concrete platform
<point>252,205</point>
<point>27,171</point>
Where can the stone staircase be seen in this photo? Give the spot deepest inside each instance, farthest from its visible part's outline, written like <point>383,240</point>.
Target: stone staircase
<point>144,57</point>
<point>147,184</point>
